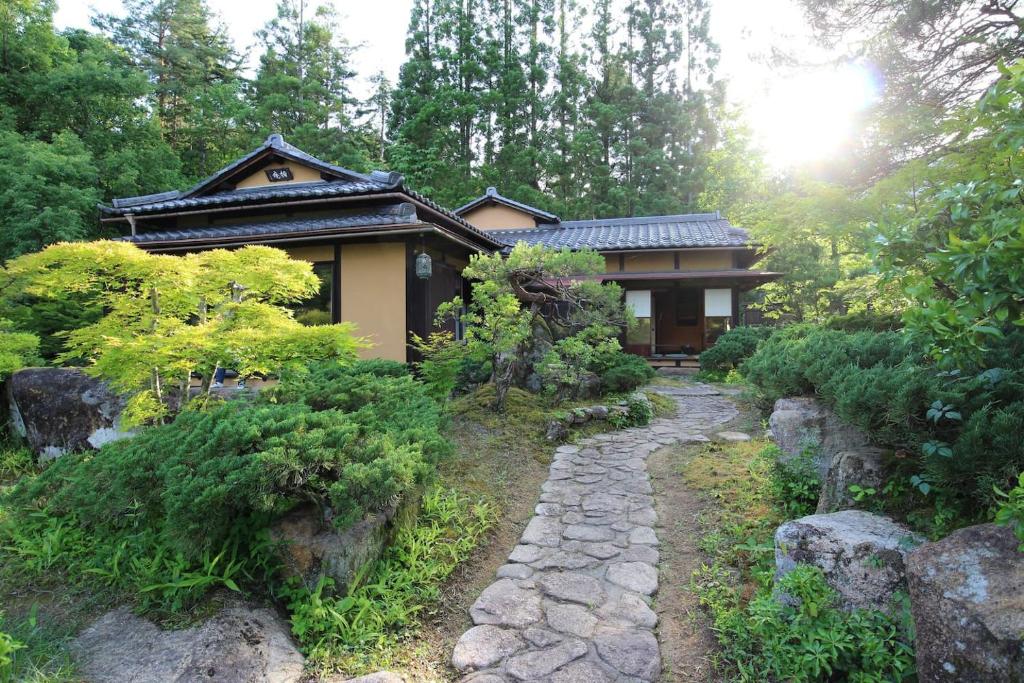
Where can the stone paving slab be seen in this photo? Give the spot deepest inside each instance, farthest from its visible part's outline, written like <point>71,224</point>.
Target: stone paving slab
<point>573,602</point>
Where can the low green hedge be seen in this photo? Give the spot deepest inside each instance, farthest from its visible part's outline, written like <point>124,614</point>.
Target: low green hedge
<point>733,347</point>
<point>960,432</point>
<point>348,438</point>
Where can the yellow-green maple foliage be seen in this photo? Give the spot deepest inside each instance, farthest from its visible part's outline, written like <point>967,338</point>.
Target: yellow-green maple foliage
<point>167,317</point>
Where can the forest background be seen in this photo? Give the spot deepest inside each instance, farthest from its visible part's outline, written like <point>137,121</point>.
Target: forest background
<point>586,108</point>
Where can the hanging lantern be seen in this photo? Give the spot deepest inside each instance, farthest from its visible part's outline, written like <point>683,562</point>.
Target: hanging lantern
<point>424,266</point>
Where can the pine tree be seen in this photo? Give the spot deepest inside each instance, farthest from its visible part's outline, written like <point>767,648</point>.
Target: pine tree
<point>195,74</point>
<point>302,87</point>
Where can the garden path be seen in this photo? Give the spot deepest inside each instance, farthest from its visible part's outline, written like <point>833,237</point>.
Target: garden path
<point>573,602</point>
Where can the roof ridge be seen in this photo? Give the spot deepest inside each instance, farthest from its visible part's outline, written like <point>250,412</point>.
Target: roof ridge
<point>639,220</point>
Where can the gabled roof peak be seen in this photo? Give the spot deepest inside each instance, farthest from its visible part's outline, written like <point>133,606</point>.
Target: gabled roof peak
<point>492,195</point>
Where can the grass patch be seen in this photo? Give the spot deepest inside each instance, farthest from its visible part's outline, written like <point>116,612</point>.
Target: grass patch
<point>760,637</point>
<point>368,628</point>
<point>663,405</point>
<point>16,461</point>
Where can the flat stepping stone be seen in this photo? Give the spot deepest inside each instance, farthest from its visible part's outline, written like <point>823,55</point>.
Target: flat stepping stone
<point>733,436</point>
<point>573,586</point>
<point>635,576</point>
<point>504,603</point>
<point>531,666</point>
<point>482,646</point>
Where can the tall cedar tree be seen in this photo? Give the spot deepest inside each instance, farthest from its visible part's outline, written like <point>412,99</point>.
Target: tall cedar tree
<point>302,89</point>
<point>195,75</point>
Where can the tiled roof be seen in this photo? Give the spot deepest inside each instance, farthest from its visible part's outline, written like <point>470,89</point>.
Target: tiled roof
<point>171,201</point>
<point>650,232</point>
<point>492,196</point>
<point>345,183</point>
<point>386,215</point>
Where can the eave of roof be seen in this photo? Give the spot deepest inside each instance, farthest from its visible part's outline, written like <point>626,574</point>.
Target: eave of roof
<point>682,231</point>
<point>395,214</point>
<point>492,196</point>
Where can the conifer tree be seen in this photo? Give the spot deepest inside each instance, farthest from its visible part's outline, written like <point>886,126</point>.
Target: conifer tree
<point>194,70</point>
<point>302,88</point>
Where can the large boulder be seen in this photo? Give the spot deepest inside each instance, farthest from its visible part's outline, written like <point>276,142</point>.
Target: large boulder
<point>862,555</point>
<point>61,410</point>
<point>800,423</point>
<point>312,547</point>
<point>864,467</point>
<point>241,644</point>
<point>967,599</point>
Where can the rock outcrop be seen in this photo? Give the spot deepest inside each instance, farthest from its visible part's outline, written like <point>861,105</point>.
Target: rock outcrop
<point>799,423</point>
<point>864,467</point>
<point>967,599</point>
<point>842,453</point>
<point>314,548</point>
<point>241,644</point>
<point>862,555</point>
<point>62,410</point>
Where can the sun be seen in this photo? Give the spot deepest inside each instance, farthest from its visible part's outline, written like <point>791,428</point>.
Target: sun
<point>810,116</point>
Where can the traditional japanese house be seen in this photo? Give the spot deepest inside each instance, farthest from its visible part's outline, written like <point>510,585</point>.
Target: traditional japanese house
<point>387,256</point>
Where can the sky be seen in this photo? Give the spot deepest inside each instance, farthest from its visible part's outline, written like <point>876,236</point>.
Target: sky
<point>796,116</point>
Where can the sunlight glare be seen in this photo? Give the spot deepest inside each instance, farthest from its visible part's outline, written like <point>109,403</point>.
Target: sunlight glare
<point>811,116</point>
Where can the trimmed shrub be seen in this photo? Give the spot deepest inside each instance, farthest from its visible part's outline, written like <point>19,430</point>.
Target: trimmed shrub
<point>621,372</point>
<point>733,347</point>
<point>347,438</point>
<point>961,429</point>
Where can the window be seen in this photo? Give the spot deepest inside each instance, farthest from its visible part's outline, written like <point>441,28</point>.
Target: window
<point>317,309</point>
<point>718,314</point>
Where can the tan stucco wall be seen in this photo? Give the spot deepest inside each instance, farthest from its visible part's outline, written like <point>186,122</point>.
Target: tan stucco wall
<point>705,260</point>
<point>496,216</point>
<point>651,262</point>
<point>659,261</point>
<point>300,174</point>
<point>317,254</point>
<point>373,296</point>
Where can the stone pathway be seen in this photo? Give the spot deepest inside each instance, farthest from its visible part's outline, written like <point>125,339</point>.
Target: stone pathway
<point>573,602</point>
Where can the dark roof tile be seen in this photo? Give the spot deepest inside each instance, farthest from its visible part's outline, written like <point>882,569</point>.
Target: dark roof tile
<point>386,215</point>
<point>646,232</point>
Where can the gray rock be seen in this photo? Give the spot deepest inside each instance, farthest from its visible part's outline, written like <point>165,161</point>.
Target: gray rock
<point>629,608</point>
<point>541,637</point>
<point>573,586</point>
<point>635,576</point>
<point>557,431</point>
<point>580,672</point>
<point>864,467</point>
<point>514,571</point>
<point>482,646</point>
<point>532,666</point>
<point>643,535</point>
<point>63,410</point>
<point>313,548</point>
<point>630,651</point>
<point>571,619</point>
<point>732,436</point>
<point>967,599</point>
<point>240,644</point>
<point>799,423</point>
<point>586,532</point>
<point>862,555</point>
<point>599,412</point>
<point>543,531</point>
<point>504,603</point>
<point>526,553</point>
